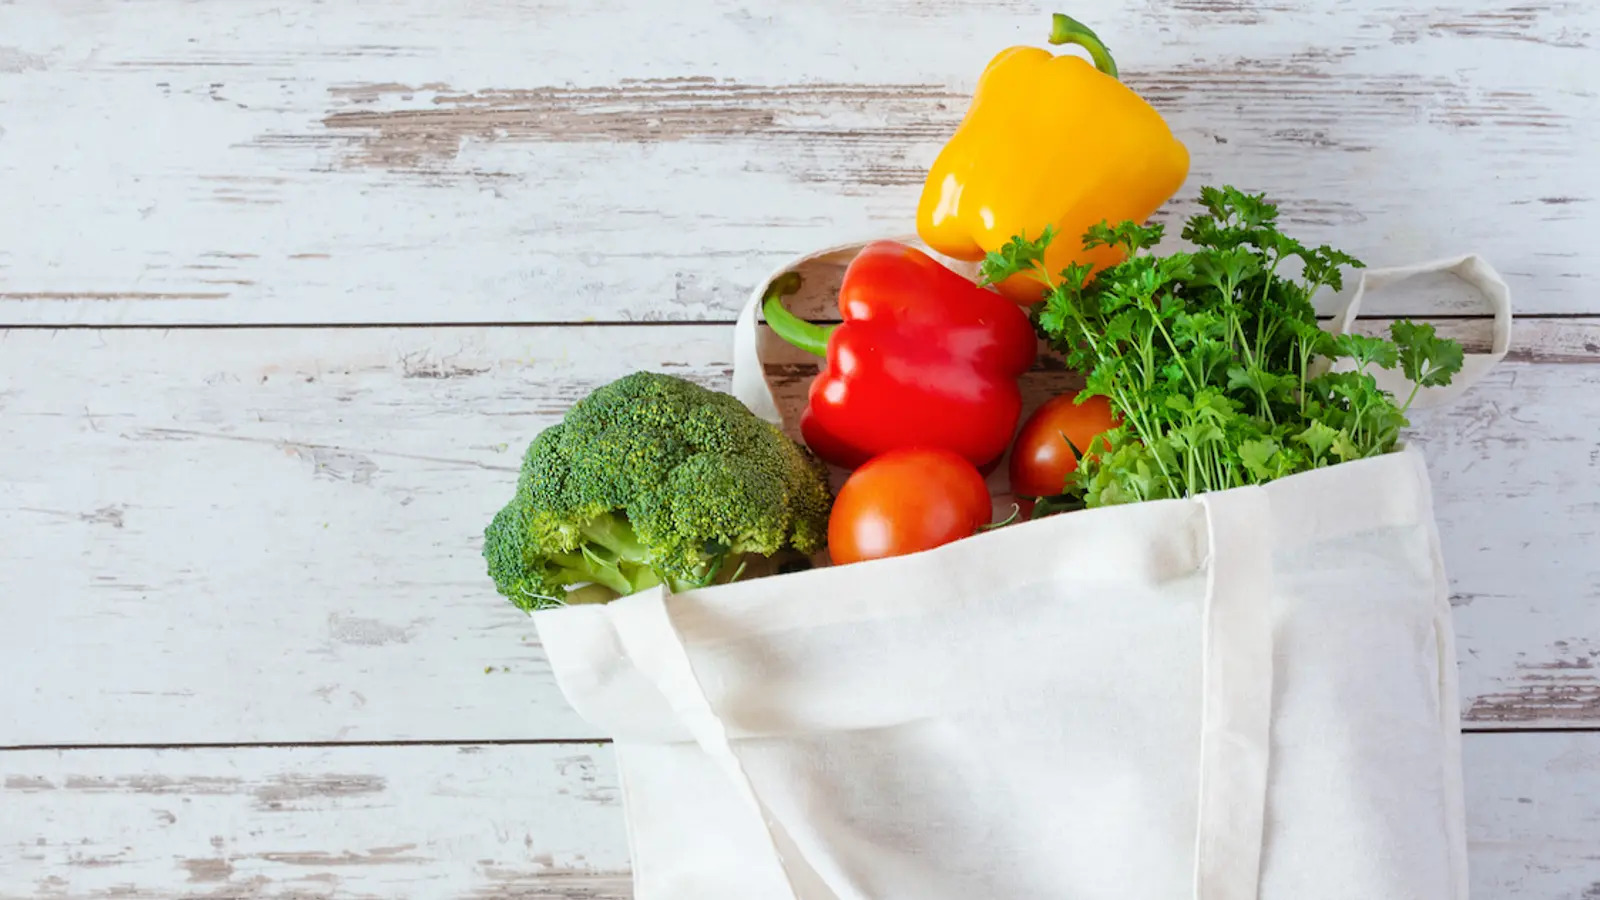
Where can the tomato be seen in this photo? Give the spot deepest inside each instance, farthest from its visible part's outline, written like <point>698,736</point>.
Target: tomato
<point>1041,460</point>
<point>904,501</point>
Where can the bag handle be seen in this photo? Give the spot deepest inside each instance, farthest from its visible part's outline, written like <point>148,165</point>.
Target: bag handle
<point>750,380</point>
<point>1479,275</point>
<point>1235,695</point>
<point>749,377</point>
<point>650,640</point>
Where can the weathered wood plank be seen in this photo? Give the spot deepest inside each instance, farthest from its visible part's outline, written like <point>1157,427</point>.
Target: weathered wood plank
<point>504,822</point>
<point>349,822</point>
<point>274,535</point>
<point>539,161</point>
<point>1531,820</point>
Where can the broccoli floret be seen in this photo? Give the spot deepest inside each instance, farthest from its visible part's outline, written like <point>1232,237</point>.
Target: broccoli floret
<point>653,479</point>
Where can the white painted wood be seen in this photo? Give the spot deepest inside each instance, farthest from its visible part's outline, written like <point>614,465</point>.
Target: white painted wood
<point>348,822</point>
<point>500,822</point>
<point>1532,823</point>
<point>274,535</point>
<point>262,161</point>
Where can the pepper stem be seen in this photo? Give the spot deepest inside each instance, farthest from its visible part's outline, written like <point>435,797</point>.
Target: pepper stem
<point>807,336</point>
<point>1064,29</point>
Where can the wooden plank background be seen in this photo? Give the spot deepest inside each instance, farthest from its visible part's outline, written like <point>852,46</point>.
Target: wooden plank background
<point>263,161</point>
<point>286,287</point>
<point>275,535</point>
<point>496,822</point>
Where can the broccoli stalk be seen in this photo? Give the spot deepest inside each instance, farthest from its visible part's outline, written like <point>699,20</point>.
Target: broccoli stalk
<point>612,556</point>
<point>654,480</point>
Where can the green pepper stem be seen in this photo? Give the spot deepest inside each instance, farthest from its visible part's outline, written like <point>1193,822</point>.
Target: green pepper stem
<point>1064,29</point>
<point>807,336</point>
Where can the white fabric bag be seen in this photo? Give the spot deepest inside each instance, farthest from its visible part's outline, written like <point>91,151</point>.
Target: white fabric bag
<point>1250,694</point>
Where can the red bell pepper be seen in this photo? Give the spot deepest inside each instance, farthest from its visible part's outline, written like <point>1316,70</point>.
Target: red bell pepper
<point>923,358</point>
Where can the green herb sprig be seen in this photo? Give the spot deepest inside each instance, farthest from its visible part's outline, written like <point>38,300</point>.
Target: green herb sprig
<point>1213,360</point>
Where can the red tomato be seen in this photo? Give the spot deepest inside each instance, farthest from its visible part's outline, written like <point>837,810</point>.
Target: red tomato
<point>1041,460</point>
<point>904,501</point>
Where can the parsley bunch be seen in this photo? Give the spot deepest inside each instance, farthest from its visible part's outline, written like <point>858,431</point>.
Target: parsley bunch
<point>1213,360</point>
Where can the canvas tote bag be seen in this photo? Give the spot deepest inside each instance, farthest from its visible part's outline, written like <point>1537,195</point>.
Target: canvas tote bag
<point>1249,694</point>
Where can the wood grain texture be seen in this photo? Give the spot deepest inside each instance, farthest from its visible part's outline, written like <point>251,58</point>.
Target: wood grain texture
<point>274,535</point>
<point>503,822</point>
<point>348,822</point>
<point>551,161</point>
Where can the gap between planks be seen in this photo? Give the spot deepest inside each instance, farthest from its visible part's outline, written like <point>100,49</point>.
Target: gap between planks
<point>422,399</point>
<point>541,742</point>
<point>427,742</point>
<point>617,323</point>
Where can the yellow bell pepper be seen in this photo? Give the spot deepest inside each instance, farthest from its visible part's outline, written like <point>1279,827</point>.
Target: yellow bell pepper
<point>1049,140</point>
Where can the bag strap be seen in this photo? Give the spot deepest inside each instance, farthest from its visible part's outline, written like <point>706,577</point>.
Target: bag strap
<point>749,377</point>
<point>1236,695</point>
<point>750,381</point>
<point>1479,275</point>
<point>650,640</point>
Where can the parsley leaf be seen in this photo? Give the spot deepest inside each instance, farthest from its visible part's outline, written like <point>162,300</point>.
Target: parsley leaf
<point>1426,359</point>
<point>1258,457</point>
<point>1318,437</point>
<point>1018,256</point>
<point>1366,351</point>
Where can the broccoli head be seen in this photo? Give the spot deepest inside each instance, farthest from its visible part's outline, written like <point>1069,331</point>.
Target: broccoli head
<point>649,480</point>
